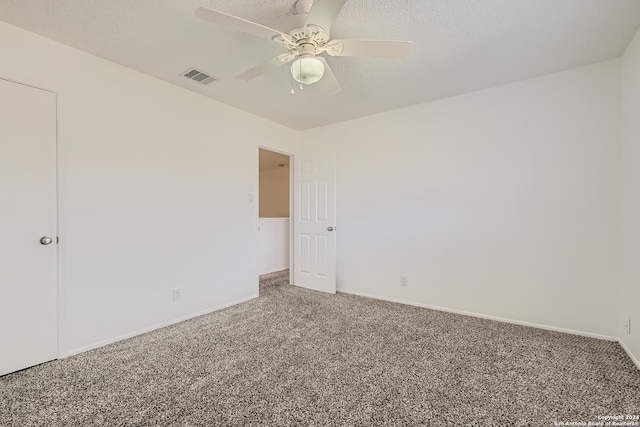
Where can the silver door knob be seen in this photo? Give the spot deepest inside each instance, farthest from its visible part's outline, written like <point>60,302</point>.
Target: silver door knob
<point>46,240</point>
<point>330,228</point>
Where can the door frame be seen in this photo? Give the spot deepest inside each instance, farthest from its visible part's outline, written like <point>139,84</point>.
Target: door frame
<point>60,301</point>
<point>291,206</point>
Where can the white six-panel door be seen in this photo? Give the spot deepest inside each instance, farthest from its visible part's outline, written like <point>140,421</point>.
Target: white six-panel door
<point>28,284</point>
<point>314,222</point>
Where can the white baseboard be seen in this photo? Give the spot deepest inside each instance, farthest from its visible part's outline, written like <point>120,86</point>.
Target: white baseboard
<point>633,358</point>
<point>154,327</point>
<point>484,316</point>
<point>274,270</point>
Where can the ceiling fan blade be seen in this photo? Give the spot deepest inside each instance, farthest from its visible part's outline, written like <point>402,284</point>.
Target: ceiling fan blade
<point>370,48</point>
<point>234,23</point>
<point>323,13</point>
<point>328,83</point>
<point>269,65</point>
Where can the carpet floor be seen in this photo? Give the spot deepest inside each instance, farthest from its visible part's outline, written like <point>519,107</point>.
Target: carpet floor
<point>299,357</point>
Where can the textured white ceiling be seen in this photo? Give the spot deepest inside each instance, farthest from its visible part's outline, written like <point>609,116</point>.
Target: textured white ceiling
<point>459,46</point>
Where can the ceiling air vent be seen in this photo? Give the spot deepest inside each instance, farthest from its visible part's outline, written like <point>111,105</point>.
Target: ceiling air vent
<point>198,76</point>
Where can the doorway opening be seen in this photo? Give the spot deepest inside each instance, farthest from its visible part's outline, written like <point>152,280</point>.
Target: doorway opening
<point>274,217</point>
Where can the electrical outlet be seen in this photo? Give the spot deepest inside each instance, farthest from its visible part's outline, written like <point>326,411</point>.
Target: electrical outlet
<point>403,280</point>
<point>627,325</point>
<point>177,294</point>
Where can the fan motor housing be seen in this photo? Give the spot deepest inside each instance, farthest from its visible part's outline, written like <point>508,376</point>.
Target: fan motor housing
<point>311,40</point>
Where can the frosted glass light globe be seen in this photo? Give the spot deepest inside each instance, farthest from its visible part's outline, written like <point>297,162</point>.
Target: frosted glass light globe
<point>307,70</point>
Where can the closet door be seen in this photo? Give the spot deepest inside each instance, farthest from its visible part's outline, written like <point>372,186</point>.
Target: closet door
<point>28,224</point>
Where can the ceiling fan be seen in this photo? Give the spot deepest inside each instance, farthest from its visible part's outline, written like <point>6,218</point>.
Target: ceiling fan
<point>305,45</point>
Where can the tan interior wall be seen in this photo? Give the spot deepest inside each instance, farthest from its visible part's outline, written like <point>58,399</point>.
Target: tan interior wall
<point>274,193</point>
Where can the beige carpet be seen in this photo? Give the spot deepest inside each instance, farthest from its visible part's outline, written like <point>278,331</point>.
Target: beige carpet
<point>298,357</point>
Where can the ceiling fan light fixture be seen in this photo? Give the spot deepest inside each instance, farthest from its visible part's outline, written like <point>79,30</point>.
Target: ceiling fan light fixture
<point>307,70</point>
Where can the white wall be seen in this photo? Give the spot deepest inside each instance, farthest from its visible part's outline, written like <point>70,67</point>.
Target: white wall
<point>154,185</point>
<point>502,202</point>
<point>630,289</point>
<point>274,192</point>
<point>273,245</point>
